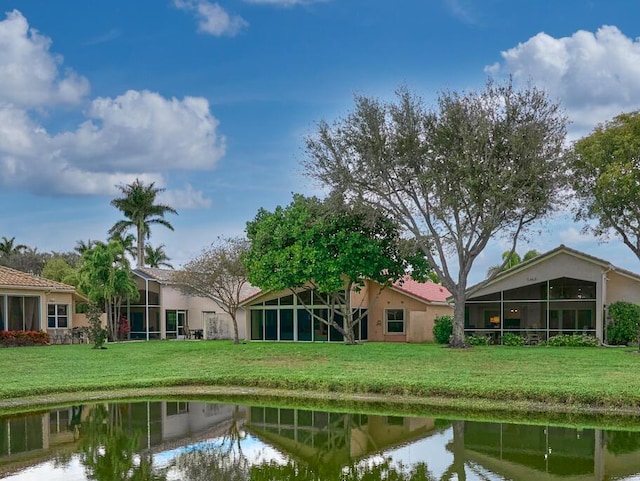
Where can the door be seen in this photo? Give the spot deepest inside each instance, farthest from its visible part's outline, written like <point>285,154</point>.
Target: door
<point>182,326</point>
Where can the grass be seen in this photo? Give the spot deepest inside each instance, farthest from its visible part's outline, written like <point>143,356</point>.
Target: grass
<point>538,377</point>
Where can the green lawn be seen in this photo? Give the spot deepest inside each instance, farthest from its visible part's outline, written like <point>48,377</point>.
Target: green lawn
<point>597,377</point>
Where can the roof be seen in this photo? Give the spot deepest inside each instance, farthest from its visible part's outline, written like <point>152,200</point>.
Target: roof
<point>165,276</point>
<point>561,249</point>
<point>426,291</point>
<point>14,278</point>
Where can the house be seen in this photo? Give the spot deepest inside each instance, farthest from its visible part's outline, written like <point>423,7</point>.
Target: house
<point>403,312</point>
<point>162,311</point>
<point>33,303</point>
<point>563,291</point>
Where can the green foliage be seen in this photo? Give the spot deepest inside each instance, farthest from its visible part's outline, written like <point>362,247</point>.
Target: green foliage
<point>138,204</point>
<point>625,322</point>
<point>58,269</point>
<point>97,334</point>
<point>572,340</point>
<point>23,338</point>
<point>442,329</point>
<point>452,176</point>
<point>512,339</point>
<point>105,277</point>
<point>156,257</point>
<point>330,245</point>
<point>473,340</point>
<point>606,178</point>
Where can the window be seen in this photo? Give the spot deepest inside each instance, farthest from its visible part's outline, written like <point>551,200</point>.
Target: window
<point>395,321</point>
<point>57,316</point>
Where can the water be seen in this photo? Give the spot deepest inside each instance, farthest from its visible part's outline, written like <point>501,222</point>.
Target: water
<point>198,441</point>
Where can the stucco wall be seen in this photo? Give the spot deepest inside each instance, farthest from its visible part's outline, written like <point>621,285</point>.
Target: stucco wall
<point>418,317</point>
<point>622,288</point>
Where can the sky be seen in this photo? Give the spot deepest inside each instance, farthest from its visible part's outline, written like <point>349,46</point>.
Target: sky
<point>212,100</point>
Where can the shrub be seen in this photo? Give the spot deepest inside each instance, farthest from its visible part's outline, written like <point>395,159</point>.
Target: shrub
<point>625,318</point>
<point>478,340</point>
<point>442,329</point>
<point>572,340</point>
<point>511,339</point>
<point>23,338</point>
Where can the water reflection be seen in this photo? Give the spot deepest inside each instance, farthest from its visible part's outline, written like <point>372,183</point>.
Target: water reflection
<point>196,441</point>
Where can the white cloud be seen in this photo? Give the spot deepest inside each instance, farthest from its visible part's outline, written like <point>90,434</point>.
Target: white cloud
<point>184,199</point>
<point>29,73</point>
<point>462,10</point>
<point>212,18</point>
<point>139,134</point>
<point>595,75</point>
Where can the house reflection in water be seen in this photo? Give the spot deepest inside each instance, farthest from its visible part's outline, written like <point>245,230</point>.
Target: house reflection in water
<point>325,443</point>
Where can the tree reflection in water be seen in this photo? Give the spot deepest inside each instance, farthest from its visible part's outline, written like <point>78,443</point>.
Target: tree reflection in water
<point>226,461</point>
<point>108,451</point>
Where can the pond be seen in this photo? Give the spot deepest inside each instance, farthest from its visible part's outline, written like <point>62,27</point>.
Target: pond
<point>198,441</point>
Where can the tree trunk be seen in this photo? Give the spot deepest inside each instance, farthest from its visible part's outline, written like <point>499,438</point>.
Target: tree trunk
<point>236,339</point>
<point>140,240</point>
<point>457,337</point>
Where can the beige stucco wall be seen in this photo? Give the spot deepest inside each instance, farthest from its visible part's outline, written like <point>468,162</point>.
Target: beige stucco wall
<point>172,299</point>
<point>622,288</point>
<point>419,316</point>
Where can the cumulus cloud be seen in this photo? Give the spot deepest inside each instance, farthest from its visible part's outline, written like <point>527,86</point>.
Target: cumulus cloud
<point>595,75</point>
<point>212,18</point>
<point>184,199</point>
<point>139,134</point>
<point>574,236</point>
<point>29,73</point>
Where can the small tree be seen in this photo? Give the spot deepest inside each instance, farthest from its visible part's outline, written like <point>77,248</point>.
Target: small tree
<point>481,165</point>
<point>332,247</point>
<point>219,274</point>
<point>442,329</point>
<point>105,276</point>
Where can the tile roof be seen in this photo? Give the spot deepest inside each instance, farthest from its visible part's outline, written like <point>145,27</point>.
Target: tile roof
<point>14,278</point>
<point>428,291</point>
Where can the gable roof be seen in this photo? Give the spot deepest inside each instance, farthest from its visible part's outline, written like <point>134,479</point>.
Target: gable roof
<point>425,291</point>
<point>561,249</point>
<point>17,279</point>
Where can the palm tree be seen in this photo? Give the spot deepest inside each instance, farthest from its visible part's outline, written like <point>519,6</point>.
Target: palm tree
<point>156,257</point>
<point>138,205</point>
<point>128,242</point>
<point>8,247</point>
<point>514,259</point>
<point>82,246</point>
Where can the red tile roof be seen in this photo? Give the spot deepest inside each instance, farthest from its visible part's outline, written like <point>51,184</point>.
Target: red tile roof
<point>428,291</point>
<point>13,278</point>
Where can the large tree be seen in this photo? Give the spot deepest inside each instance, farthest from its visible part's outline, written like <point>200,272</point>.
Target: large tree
<point>332,247</point>
<point>218,273</point>
<point>482,164</point>
<point>105,277</point>
<point>139,205</point>
<point>606,179</point>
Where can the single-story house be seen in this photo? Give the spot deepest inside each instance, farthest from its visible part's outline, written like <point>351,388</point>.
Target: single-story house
<point>563,291</point>
<point>403,312</point>
<point>162,311</point>
<point>33,303</point>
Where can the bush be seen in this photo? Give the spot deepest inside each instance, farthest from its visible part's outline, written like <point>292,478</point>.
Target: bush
<point>442,329</point>
<point>625,318</point>
<point>511,339</point>
<point>572,340</point>
<point>97,334</point>
<point>23,338</point>
<point>478,340</point>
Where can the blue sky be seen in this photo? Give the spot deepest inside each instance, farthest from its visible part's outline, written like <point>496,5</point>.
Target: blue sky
<point>212,100</point>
